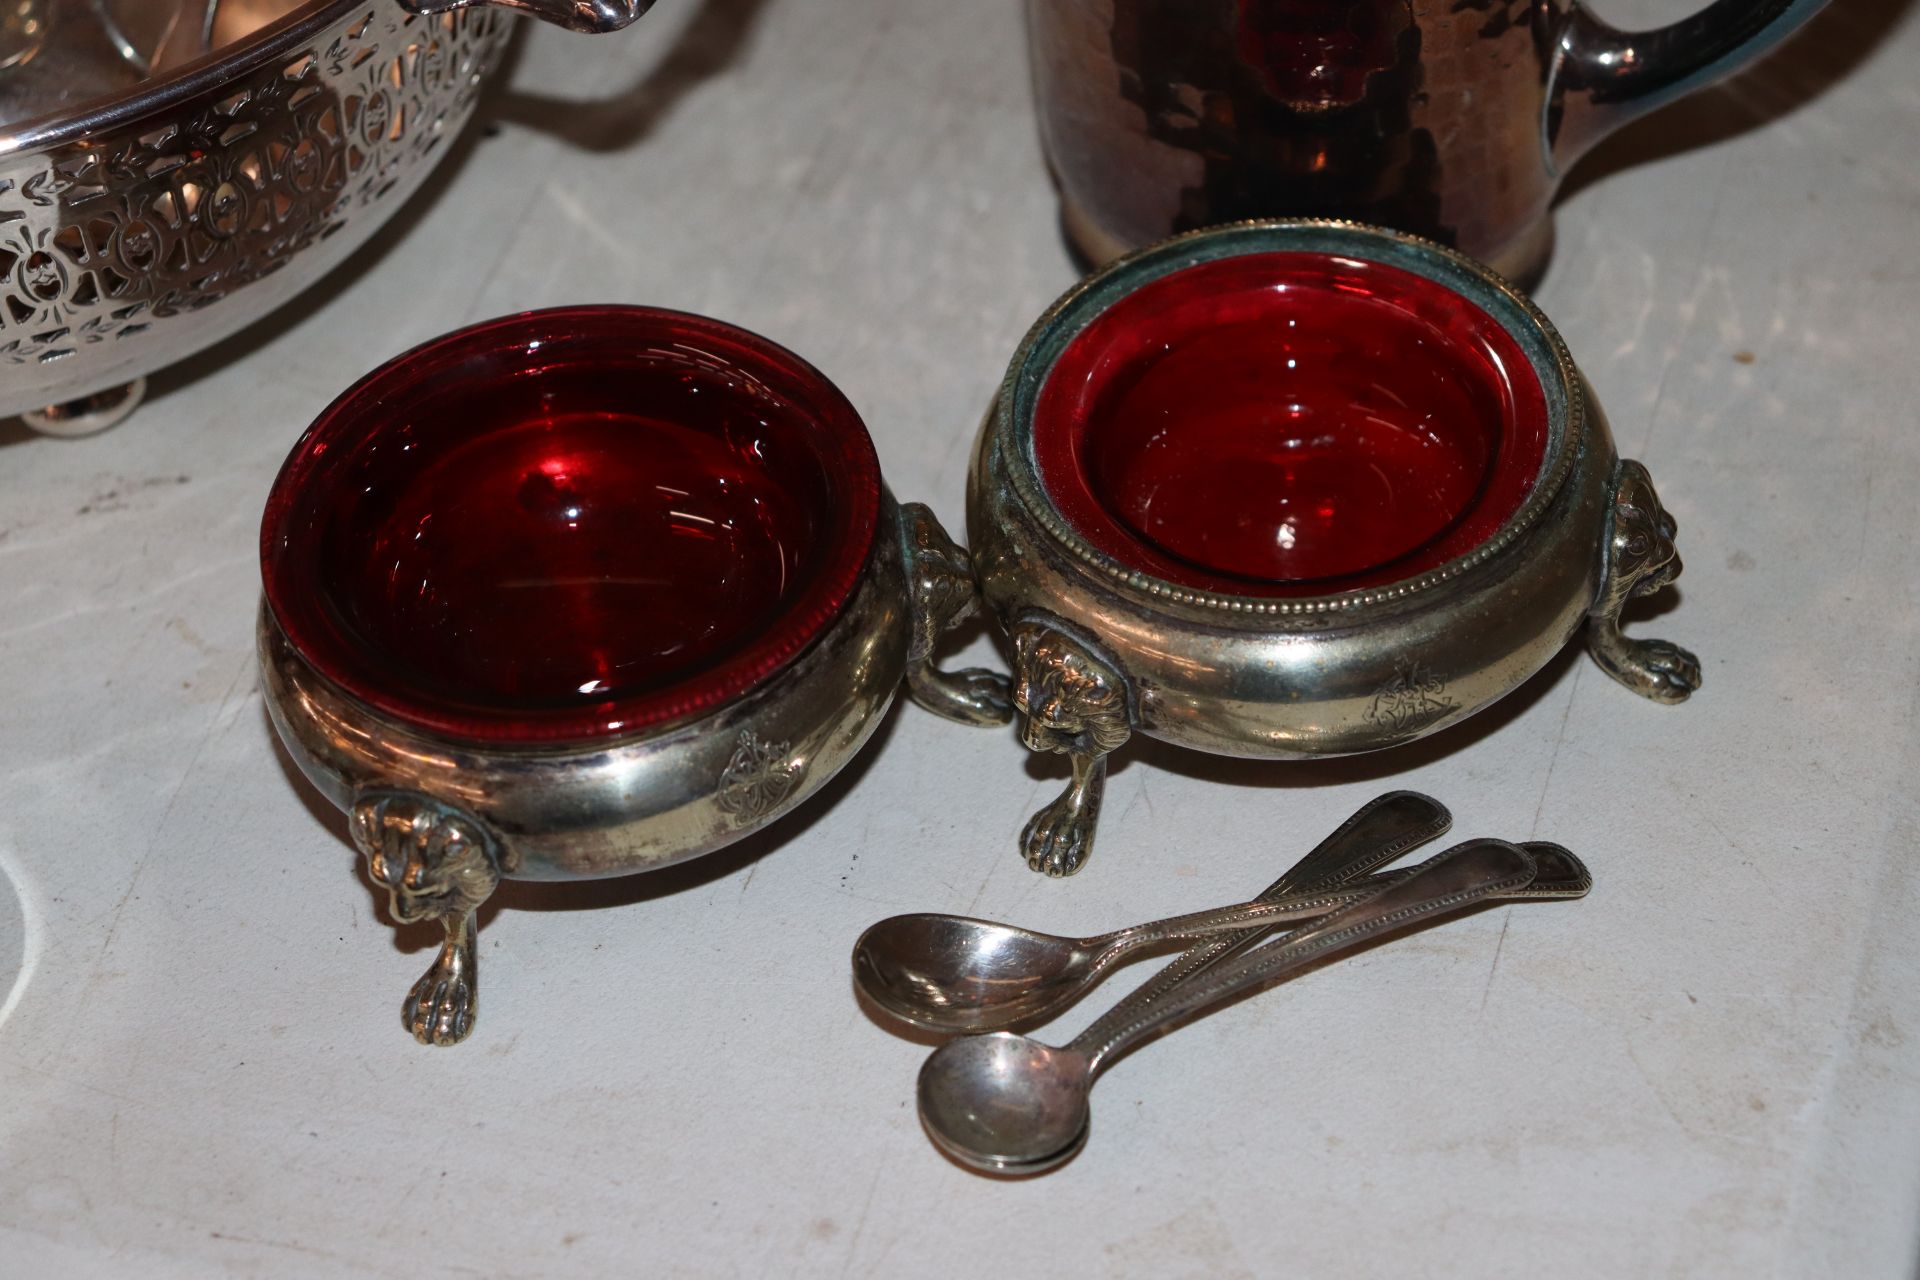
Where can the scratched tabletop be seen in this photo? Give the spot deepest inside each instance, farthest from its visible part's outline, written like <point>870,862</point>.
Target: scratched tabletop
<point>1711,1067</point>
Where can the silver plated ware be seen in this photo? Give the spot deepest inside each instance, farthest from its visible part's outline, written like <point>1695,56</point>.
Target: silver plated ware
<point>1379,832</point>
<point>956,974</point>
<point>443,811</point>
<point>173,170</point>
<point>1005,1104</point>
<point>1105,645</point>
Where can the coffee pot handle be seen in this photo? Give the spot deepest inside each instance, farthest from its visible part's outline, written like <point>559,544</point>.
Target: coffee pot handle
<point>590,16</point>
<point>1606,77</point>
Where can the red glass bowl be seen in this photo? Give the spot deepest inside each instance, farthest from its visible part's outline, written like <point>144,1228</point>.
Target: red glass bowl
<point>568,524</point>
<point>1290,424</point>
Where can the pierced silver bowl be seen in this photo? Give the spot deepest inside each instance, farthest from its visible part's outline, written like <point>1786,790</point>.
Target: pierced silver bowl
<point>172,170</point>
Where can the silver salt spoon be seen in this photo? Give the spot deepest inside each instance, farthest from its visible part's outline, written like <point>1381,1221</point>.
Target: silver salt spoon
<point>1005,1104</point>
<point>953,973</point>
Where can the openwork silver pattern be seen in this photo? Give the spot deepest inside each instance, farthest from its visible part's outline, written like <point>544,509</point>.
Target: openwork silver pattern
<point>124,232</point>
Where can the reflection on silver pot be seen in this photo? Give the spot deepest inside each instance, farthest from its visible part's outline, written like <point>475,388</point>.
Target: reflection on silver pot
<point>1453,119</point>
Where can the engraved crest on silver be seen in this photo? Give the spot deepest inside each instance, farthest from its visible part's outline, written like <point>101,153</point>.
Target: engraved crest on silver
<point>1414,698</point>
<point>758,779</point>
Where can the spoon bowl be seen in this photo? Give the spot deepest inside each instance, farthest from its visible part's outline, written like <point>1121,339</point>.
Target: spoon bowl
<point>956,973</point>
<point>1002,1103</point>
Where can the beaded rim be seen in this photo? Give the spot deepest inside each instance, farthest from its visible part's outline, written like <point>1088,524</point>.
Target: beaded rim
<point>1080,305</point>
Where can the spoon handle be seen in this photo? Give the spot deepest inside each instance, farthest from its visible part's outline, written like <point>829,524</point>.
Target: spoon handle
<point>1558,875</point>
<point>1258,914</point>
<point>1379,832</point>
<point>1261,913</point>
<point>1463,876</point>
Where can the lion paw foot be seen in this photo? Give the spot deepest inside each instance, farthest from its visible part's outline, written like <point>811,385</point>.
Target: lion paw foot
<point>1665,671</point>
<point>1058,839</point>
<point>439,1009</point>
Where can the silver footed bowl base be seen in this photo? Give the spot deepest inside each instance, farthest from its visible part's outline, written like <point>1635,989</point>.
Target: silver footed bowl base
<point>89,415</point>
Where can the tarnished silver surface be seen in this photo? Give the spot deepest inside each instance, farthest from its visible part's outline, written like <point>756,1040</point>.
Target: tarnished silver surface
<point>1002,1103</point>
<point>155,198</point>
<point>956,974</point>
<point>439,819</point>
<point>1309,677</point>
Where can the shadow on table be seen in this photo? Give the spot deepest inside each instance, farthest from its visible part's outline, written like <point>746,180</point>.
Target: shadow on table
<point>593,895</point>
<point>713,41</point>
<point>1824,53</point>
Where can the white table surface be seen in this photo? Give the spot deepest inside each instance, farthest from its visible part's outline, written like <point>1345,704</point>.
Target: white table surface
<point>1708,1068</point>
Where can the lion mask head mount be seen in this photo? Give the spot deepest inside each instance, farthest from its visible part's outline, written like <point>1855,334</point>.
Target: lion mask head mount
<point>1642,548</point>
<point>1072,700</point>
<point>434,863</point>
